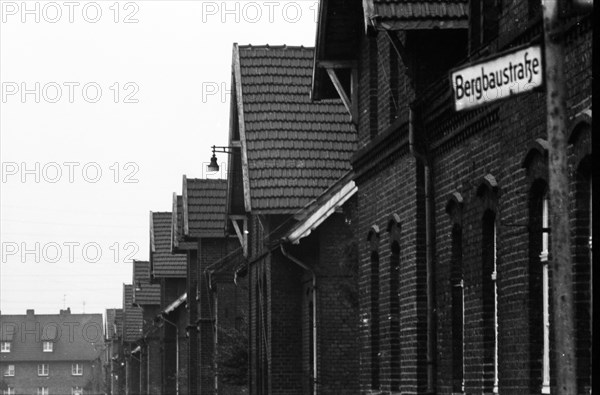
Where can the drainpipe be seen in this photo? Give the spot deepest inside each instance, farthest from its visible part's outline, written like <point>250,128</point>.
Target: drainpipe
<point>428,253</point>
<point>314,303</point>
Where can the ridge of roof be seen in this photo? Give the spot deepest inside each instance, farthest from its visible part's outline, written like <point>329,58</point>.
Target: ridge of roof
<point>276,47</point>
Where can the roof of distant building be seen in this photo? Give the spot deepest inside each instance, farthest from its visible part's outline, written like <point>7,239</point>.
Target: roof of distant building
<point>204,207</point>
<point>144,292</point>
<point>74,337</point>
<point>132,316</point>
<point>163,262</point>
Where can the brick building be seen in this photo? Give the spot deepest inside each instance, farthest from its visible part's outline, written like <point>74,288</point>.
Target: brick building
<point>287,151</point>
<point>147,296</point>
<point>51,353</point>
<point>170,271</point>
<point>113,331</point>
<point>229,295</point>
<point>452,212</point>
<point>199,232</point>
<point>132,332</point>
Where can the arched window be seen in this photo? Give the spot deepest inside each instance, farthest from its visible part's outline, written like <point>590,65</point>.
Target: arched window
<point>580,137</point>
<point>394,302</point>
<point>539,287</point>
<point>487,192</point>
<point>490,300</point>
<point>373,239</point>
<point>454,210</point>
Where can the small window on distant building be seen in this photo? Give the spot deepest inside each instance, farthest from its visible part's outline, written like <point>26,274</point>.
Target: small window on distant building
<point>9,391</point>
<point>43,369</point>
<point>76,391</point>
<point>48,346</point>
<point>43,391</point>
<point>5,347</point>
<point>10,370</point>
<point>77,369</point>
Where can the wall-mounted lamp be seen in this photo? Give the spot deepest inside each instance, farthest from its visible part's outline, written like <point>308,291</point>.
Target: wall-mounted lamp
<point>213,165</point>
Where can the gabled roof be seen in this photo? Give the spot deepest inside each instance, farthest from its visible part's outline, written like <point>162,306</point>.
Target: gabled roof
<point>291,147</point>
<point>410,15</point>
<point>132,316</point>
<point>204,207</point>
<point>144,293</point>
<point>75,337</point>
<point>177,222</point>
<point>163,263</point>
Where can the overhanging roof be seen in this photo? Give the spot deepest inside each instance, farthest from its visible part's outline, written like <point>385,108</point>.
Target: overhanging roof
<point>319,210</point>
<point>175,304</point>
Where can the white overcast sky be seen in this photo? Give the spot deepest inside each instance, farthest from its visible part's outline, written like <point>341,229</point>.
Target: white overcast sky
<point>66,239</point>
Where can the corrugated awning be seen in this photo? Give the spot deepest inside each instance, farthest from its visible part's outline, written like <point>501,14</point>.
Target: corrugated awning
<point>311,222</point>
<point>175,304</point>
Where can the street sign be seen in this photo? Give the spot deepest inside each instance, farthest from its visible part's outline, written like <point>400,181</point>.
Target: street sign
<point>496,78</point>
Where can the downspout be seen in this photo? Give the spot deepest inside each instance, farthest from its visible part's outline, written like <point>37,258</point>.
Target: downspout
<point>314,303</point>
<point>428,254</point>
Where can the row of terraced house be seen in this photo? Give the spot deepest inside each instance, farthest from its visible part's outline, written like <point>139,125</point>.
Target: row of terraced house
<point>370,237</point>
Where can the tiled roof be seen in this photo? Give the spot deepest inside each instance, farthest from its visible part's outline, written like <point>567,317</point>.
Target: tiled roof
<point>76,337</point>
<point>177,221</point>
<point>144,293</point>
<point>163,263</point>
<point>114,323</point>
<point>295,147</point>
<point>132,316</point>
<point>402,14</point>
<point>204,207</point>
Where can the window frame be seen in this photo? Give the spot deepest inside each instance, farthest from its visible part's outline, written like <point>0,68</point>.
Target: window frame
<point>5,347</point>
<point>9,391</point>
<point>43,391</point>
<point>48,346</point>
<point>9,371</point>
<point>77,369</point>
<point>45,369</point>
<point>76,390</point>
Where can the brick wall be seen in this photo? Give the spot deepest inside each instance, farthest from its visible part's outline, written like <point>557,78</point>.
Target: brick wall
<point>464,148</point>
<point>60,379</point>
<point>497,146</point>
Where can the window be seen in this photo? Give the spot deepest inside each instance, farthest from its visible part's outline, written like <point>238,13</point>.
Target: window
<point>490,302</point>
<point>458,311</point>
<point>375,320</point>
<point>5,347</point>
<point>48,346</point>
<point>43,369</point>
<point>9,391</point>
<point>545,299</point>
<point>395,315</point>
<point>10,371</point>
<point>76,391</point>
<point>77,369</point>
<point>43,391</point>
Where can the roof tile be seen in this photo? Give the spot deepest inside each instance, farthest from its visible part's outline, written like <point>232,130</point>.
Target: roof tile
<point>290,139</point>
<point>163,263</point>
